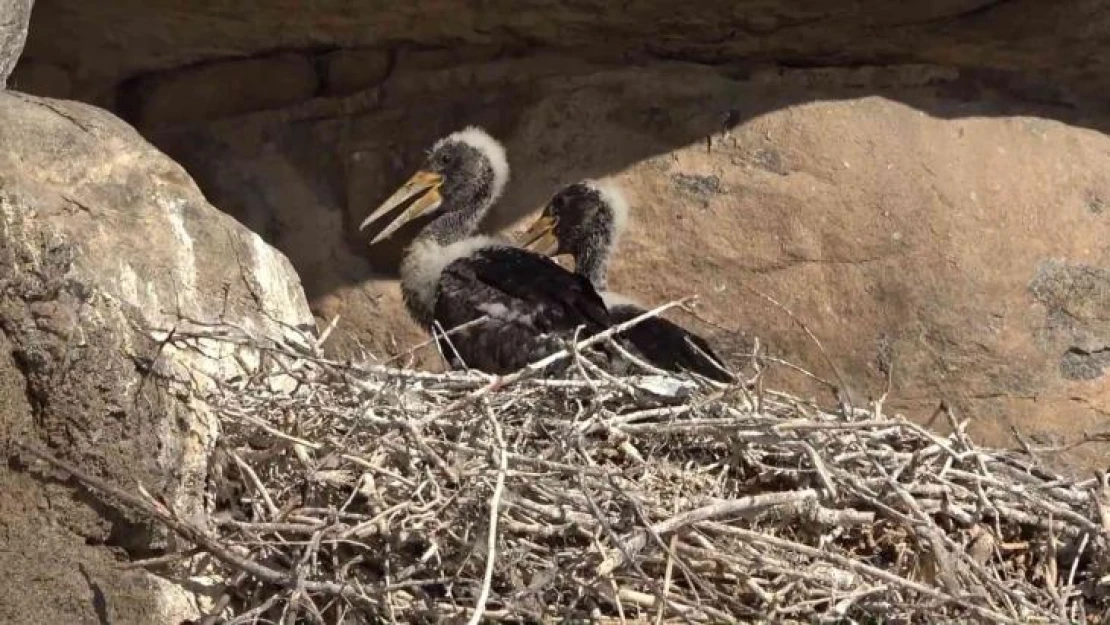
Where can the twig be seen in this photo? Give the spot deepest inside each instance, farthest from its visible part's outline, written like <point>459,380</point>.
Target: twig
<point>435,338</point>
<point>169,558</point>
<point>191,533</point>
<point>328,329</point>
<point>494,513</point>
<point>863,569</point>
<point>257,483</point>
<point>667,577</point>
<point>813,337</point>
<point>704,513</point>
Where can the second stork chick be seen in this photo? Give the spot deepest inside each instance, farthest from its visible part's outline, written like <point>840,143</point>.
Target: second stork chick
<point>584,220</point>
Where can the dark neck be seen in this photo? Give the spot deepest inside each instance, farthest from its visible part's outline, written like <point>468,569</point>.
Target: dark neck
<point>451,227</point>
<point>465,201</point>
<point>418,285</point>
<point>592,261</point>
<point>459,221</point>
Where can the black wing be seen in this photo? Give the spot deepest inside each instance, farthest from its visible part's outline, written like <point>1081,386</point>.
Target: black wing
<point>670,346</point>
<point>569,298</point>
<point>532,304</point>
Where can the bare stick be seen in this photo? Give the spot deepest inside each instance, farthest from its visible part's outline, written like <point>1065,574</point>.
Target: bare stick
<point>326,333</point>
<point>191,533</point>
<point>435,337</point>
<point>704,513</point>
<point>865,569</point>
<point>258,485</point>
<point>494,513</point>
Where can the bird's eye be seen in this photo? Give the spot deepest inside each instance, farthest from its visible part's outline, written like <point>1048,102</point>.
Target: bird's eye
<point>446,158</point>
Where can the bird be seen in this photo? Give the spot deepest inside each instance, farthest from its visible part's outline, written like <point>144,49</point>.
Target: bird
<point>451,277</point>
<point>584,220</point>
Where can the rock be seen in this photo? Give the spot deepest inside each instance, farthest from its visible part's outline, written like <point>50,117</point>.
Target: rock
<point>349,71</point>
<point>41,79</point>
<point>958,247</point>
<point>214,90</point>
<point>14,18</point>
<point>107,246</point>
<point>1058,45</point>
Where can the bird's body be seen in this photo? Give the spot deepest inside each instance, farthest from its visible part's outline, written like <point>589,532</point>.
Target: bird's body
<point>665,344</point>
<point>584,220</point>
<point>520,306</point>
<point>531,304</point>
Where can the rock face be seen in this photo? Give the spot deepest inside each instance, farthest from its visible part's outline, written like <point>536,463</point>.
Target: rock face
<point>956,246</point>
<point>103,44</point>
<point>14,17</point>
<point>106,245</point>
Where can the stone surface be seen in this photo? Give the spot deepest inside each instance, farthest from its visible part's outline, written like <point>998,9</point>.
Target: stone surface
<point>958,246</point>
<point>14,17</point>
<point>43,79</point>
<point>105,246</point>
<point>350,71</point>
<point>210,91</point>
<point>110,41</point>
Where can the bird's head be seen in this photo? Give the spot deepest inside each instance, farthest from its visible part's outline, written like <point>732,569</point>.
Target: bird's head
<point>583,218</point>
<point>464,171</point>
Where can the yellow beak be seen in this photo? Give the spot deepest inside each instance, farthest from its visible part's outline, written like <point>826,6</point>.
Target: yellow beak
<point>424,186</point>
<point>540,236</point>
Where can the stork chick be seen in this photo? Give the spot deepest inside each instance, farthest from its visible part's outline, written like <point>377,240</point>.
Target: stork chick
<point>450,277</point>
<point>585,220</point>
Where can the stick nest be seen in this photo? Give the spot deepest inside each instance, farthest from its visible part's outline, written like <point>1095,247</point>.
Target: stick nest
<point>358,494</point>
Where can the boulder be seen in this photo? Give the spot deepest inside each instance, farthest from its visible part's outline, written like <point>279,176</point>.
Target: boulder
<point>956,246</point>
<point>14,18</point>
<point>108,251</point>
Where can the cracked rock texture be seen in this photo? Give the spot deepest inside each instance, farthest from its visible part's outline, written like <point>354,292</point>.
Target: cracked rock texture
<point>105,245</point>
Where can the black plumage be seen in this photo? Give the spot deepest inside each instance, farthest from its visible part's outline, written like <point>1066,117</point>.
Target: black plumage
<point>450,278</point>
<point>532,303</point>
<point>668,345</point>
<point>584,220</point>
